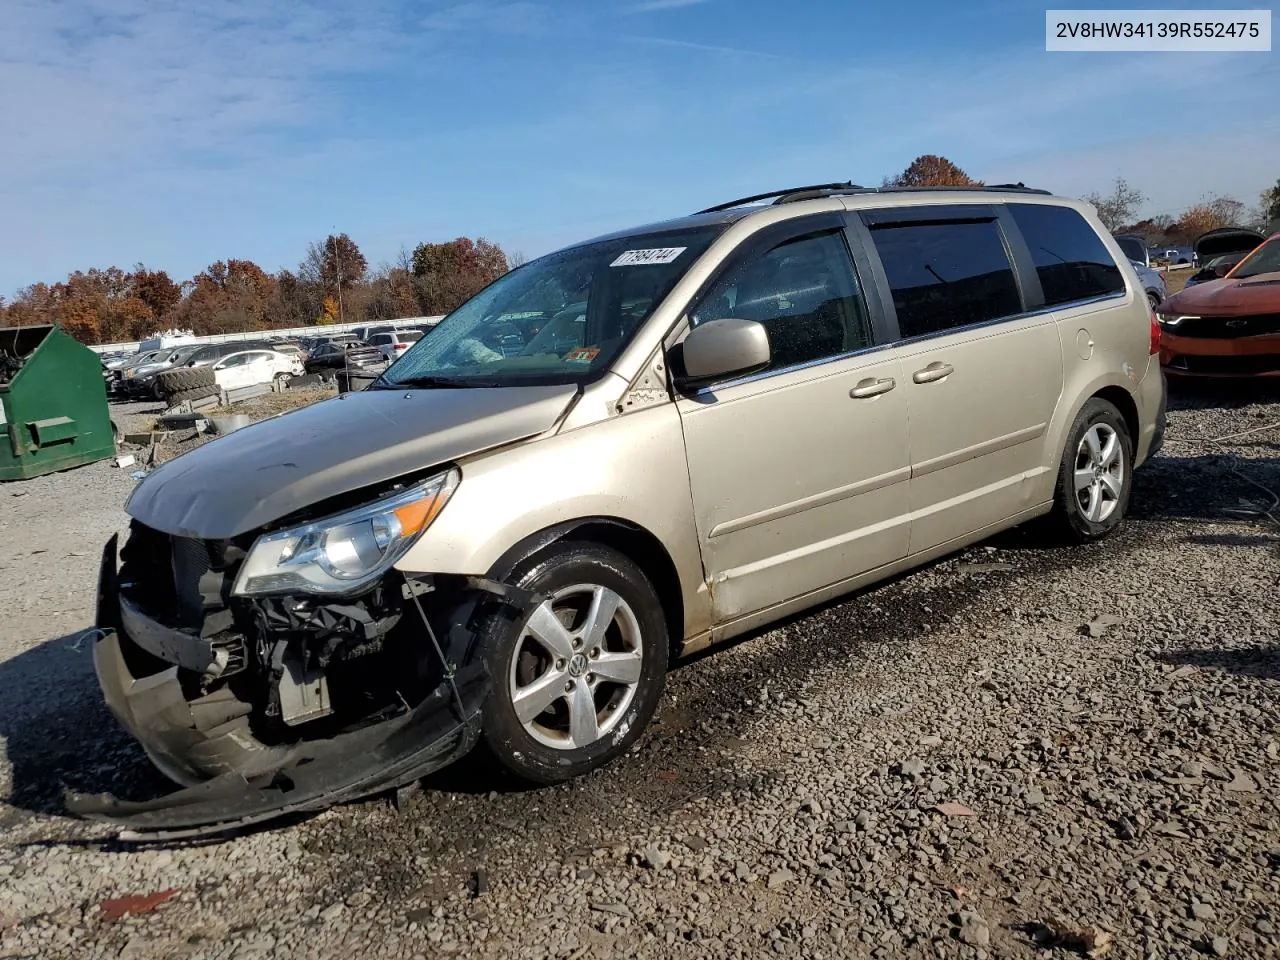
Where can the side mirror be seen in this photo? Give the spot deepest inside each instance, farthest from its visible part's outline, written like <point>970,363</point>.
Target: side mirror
<point>718,348</point>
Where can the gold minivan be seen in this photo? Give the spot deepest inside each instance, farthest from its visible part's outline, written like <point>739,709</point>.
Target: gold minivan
<point>613,456</point>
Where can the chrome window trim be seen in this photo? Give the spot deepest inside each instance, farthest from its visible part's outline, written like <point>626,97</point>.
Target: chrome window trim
<point>768,374</point>
<point>878,347</point>
<point>1013,318</point>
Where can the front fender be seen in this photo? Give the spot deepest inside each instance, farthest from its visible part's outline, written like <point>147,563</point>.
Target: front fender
<point>630,468</point>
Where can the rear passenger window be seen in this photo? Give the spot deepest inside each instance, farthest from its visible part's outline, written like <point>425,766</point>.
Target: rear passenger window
<point>946,275</point>
<point>805,294</point>
<point>1071,260</point>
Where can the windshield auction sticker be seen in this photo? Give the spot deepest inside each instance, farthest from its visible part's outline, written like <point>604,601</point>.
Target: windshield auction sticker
<point>1129,31</point>
<point>643,258</point>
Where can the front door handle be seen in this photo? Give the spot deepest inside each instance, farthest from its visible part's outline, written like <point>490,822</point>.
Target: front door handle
<point>872,387</point>
<point>934,371</point>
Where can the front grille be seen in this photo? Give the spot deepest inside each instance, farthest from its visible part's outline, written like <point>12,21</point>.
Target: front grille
<point>190,568</point>
<point>1241,366</point>
<point>181,581</point>
<point>1228,328</point>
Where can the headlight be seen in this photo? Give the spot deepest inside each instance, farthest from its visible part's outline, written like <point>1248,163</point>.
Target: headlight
<point>1173,319</point>
<point>343,554</point>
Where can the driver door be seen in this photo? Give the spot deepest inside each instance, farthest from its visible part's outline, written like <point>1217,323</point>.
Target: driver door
<point>799,473</point>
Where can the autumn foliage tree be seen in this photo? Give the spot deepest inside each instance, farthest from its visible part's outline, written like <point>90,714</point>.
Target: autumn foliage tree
<point>931,170</point>
<point>332,283</point>
<point>228,297</point>
<point>98,305</point>
<point>333,267</point>
<point>447,274</point>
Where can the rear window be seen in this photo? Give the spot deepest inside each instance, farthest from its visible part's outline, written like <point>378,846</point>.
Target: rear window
<point>1071,260</point>
<point>380,339</point>
<point>946,275</point>
<point>1133,248</point>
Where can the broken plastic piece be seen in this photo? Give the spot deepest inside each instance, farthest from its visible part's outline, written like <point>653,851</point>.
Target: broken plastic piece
<point>135,903</point>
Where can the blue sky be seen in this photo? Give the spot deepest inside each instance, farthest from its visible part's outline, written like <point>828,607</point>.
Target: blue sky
<point>177,134</point>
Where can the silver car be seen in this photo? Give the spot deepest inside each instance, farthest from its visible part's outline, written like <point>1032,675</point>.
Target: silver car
<point>612,457</point>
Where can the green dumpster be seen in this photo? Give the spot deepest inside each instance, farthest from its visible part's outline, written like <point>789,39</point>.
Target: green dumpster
<point>53,403</point>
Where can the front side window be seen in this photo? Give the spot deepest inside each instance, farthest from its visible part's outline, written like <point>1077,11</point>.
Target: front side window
<point>1265,259</point>
<point>805,294</point>
<point>946,275</point>
<point>557,320</point>
<point>1071,260</point>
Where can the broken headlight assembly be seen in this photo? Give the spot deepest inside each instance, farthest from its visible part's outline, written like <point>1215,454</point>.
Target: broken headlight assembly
<point>342,554</point>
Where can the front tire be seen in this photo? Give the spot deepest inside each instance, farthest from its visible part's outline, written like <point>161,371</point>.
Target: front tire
<point>576,680</point>
<point>1095,478</point>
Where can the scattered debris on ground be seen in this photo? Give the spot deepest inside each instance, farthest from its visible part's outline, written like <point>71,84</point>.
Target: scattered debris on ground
<point>1110,713</point>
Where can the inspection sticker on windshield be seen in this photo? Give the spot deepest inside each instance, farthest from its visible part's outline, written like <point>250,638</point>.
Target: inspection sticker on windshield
<point>641,258</point>
<point>582,354</point>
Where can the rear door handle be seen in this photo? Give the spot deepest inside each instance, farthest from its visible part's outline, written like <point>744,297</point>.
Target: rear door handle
<point>934,371</point>
<point>872,388</point>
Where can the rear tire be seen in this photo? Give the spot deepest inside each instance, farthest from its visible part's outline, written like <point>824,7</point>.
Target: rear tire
<point>1095,477</point>
<point>199,393</point>
<point>596,679</point>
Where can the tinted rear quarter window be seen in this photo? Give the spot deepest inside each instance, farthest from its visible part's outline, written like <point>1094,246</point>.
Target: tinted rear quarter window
<point>947,274</point>
<point>1071,260</point>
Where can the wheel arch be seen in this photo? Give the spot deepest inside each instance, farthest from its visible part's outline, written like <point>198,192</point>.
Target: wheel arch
<point>1122,400</point>
<point>630,539</point>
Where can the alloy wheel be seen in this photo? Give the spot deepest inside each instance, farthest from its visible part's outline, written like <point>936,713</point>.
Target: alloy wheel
<point>576,666</point>
<point>1099,472</point>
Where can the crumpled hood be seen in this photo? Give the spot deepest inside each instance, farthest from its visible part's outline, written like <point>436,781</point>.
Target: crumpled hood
<point>270,469</point>
<point>1228,298</point>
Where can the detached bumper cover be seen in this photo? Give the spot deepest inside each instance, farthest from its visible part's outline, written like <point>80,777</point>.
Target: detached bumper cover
<point>252,782</point>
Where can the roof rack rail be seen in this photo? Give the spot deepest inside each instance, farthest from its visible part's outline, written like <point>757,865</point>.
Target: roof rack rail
<point>984,188</point>
<point>818,189</point>
<point>796,194</point>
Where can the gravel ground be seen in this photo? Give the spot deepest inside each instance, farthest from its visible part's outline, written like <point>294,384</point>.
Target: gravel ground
<point>1016,744</point>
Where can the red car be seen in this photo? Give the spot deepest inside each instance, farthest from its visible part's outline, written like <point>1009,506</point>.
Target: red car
<point>1228,327</point>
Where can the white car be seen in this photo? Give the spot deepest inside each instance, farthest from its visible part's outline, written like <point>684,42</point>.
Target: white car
<point>395,342</point>
<point>251,367</point>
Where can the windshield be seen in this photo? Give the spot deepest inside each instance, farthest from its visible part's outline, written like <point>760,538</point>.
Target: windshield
<point>1265,259</point>
<point>560,319</point>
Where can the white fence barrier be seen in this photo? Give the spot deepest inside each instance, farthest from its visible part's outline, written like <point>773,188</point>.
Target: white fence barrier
<point>315,330</point>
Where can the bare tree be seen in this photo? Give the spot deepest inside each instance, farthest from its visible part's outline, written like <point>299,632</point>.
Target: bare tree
<point>1118,207</point>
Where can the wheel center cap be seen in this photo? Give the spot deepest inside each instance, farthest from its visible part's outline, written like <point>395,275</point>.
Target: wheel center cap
<point>577,665</point>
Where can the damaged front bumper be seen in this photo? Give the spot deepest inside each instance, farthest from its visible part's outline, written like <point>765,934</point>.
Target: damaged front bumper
<point>234,780</point>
